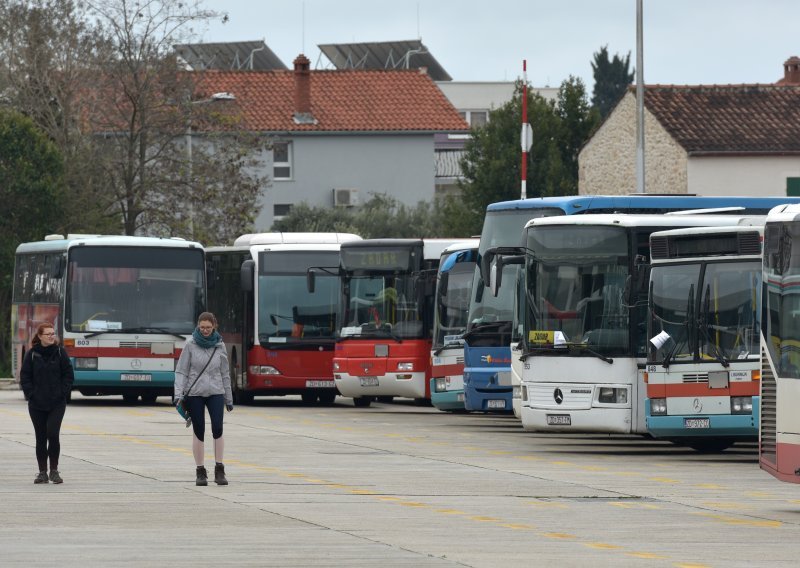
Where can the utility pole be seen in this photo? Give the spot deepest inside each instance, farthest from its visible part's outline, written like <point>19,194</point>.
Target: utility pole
<point>526,136</point>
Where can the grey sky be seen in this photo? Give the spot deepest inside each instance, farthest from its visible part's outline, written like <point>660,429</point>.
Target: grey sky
<point>685,41</point>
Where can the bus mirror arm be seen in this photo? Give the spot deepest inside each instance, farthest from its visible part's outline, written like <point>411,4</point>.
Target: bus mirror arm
<point>311,280</point>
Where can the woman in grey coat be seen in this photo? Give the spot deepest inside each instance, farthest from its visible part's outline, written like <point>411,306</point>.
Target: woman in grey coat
<point>203,380</point>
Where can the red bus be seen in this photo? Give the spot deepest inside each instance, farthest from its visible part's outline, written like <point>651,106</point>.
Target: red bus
<point>279,336</point>
<point>384,342</point>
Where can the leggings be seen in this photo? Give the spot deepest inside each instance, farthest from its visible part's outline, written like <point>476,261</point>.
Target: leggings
<point>47,426</point>
<point>215,404</point>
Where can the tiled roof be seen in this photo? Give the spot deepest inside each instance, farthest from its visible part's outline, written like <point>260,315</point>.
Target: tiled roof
<point>708,119</point>
<point>355,100</point>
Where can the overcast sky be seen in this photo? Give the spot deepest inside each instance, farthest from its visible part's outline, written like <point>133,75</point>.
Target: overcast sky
<point>685,41</point>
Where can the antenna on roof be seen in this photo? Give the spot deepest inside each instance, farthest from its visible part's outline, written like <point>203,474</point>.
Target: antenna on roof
<point>419,36</point>
<point>303,33</point>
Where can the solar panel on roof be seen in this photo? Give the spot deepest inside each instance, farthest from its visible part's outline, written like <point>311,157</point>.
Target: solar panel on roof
<point>241,55</point>
<point>411,54</point>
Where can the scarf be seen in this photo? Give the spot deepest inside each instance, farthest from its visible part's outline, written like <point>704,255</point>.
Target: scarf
<point>206,342</point>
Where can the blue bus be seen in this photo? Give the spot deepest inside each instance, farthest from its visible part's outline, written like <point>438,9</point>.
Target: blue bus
<point>451,306</point>
<point>488,384</point>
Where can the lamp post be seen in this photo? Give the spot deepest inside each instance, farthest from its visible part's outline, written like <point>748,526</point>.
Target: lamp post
<point>222,96</point>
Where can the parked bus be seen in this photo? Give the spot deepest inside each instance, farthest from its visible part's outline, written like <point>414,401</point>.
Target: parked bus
<point>279,336</point>
<point>704,359</point>
<point>384,342</point>
<point>123,308</point>
<point>488,382</point>
<point>779,441</point>
<point>451,307</point>
<point>584,331</point>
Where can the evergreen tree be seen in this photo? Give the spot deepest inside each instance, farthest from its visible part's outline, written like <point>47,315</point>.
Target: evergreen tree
<point>611,78</point>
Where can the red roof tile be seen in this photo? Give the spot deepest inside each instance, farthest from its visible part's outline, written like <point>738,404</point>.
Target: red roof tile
<point>705,119</point>
<point>357,100</point>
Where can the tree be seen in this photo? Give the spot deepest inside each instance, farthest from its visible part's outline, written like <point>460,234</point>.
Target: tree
<point>492,162</point>
<point>31,179</point>
<point>380,217</point>
<point>611,78</point>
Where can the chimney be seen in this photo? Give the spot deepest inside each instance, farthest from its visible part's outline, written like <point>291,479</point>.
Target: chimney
<point>302,90</point>
<point>791,71</point>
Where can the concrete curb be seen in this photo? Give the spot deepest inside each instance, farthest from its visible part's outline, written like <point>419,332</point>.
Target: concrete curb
<point>8,384</point>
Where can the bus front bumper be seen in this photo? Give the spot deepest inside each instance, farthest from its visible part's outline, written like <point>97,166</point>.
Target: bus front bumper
<point>741,426</point>
<point>595,419</point>
<point>391,384</point>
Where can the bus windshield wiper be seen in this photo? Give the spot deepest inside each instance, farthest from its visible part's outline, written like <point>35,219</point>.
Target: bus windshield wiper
<point>718,355</point>
<point>485,326</point>
<point>671,353</point>
<point>448,345</point>
<point>567,348</point>
<point>151,330</point>
<point>371,332</point>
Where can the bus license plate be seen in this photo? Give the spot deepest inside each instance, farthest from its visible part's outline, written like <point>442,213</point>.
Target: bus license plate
<point>697,423</point>
<point>313,384</point>
<point>495,404</point>
<point>559,420</point>
<point>132,377</point>
<point>368,381</point>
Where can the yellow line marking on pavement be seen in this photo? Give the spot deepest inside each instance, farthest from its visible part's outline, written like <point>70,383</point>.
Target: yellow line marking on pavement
<point>664,480</point>
<point>362,492</point>
<point>500,453</point>
<point>794,501</point>
<point>742,522</point>
<point>411,504</point>
<point>563,536</point>
<point>602,545</point>
<point>518,526</point>
<point>532,458</point>
<point>709,486</point>
<point>646,555</point>
<point>561,463</point>
<point>628,473</point>
<point>390,498</point>
<point>759,494</point>
<point>483,519</point>
<point>725,505</point>
<point>593,468</point>
<point>621,505</point>
<point>451,512</point>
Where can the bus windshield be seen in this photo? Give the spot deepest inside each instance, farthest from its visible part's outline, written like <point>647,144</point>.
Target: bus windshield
<point>382,305</point>
<point>710,311</point>
<point>575,282</point>
<point>143,289</point>
<point>287,311</point>
<point>452,305</point>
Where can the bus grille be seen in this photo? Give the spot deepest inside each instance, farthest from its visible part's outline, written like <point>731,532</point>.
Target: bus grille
<point>659,247</point>
<point>135,344</point>
<point>695,378</point>
<point>460,360</point>
<point>768,446</point>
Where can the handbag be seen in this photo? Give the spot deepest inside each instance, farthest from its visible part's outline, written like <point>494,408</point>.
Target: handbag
<point>181,407</point>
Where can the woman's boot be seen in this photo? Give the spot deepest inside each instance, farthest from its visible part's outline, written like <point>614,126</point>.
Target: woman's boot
<point>219,475</point>
<point>202,476</point>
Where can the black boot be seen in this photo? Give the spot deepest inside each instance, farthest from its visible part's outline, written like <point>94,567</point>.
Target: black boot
<point>219,475</point>
<point>202,476</point>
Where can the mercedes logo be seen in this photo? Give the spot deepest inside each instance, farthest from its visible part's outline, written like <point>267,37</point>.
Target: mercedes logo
<point>558,396</point>
<point>136,364</point>
<point>697,405</point>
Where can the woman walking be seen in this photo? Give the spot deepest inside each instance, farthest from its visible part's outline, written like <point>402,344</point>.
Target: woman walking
<point>46,380</point>
<point>202,379</point>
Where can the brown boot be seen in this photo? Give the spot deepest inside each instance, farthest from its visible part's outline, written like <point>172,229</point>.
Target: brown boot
<point>219,475</point>
<point>202,476</point>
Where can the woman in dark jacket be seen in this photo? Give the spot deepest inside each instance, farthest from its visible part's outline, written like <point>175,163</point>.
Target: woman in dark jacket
<point>46,379</point>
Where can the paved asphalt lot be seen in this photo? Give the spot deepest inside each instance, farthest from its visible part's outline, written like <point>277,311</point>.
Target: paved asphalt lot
<point>391,485</point>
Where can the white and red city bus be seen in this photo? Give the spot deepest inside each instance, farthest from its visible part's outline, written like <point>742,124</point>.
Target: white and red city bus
<point>279,336</point>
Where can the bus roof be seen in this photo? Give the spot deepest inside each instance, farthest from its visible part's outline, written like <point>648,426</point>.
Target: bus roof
<point>466,244</point>
<point>64,243</point>
<point>784,213</point>
<point>294,238</point>
<point>702,231</point>
<point>577,204</point>
<point>431,248</point>
<point>638,220</point>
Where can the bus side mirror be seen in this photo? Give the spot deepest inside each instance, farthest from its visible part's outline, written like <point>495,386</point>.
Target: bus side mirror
<point>444,277</point>
<point>57,268</point>
<point>311,280</point>
<point>496,275</point>
<point>247,275</point>
<point>486,266</point>
<point>626,293</point>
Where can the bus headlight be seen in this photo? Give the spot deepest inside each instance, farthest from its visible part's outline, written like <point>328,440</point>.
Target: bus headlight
<point>439,385</point>
<point>405,366</point>
<point>658,406</point>
<point>741,405</point>
<point>516,392</point>
<point>262,370</point>
<point>86,363</point>
<point>612,395</point>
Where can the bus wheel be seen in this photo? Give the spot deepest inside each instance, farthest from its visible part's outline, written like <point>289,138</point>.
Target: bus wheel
<point>242,397</point>
<point>327,398</point>
<point>149,398</point>
<point>130,398</point>
<point>362,401</point>
<point>385,398</point>
<point>309,397</point>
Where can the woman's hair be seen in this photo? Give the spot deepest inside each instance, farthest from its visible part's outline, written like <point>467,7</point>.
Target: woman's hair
<point>207,316</point>
<point>36,340</point>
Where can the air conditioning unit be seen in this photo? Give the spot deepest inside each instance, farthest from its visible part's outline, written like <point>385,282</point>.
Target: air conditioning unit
<point>345,197</point>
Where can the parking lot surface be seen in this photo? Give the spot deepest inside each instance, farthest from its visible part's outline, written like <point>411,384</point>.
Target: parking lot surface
<point>390,485</point>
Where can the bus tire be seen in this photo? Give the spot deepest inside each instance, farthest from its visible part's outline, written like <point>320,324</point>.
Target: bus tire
<point>130,398</point>
<point>386,398</point>
<point>362,401</point>
<point>710,446</point>
<point>309,397</point>
<point>149,398</point>
<point>327,398</point>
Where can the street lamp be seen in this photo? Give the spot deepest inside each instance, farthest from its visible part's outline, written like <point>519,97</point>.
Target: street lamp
<point>222,96</point>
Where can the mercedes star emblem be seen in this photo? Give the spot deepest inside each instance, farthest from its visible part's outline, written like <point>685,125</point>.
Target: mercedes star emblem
<point>558,396</point>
